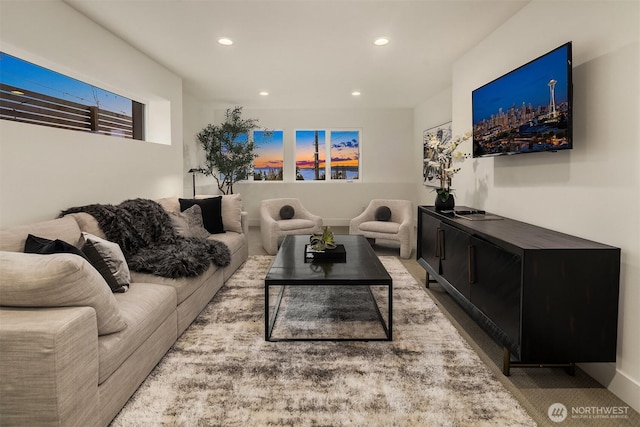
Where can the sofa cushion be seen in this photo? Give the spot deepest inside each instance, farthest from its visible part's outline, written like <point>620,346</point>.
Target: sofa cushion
<point>108,259</point>
<point>211,212</point>
<point>88,223</point>
<point>170,204</point>
<point>59,280</point>
<point>13,239</point>
<point>295,224</point>
<point>233,240</point>
<point>189,223</point>
<point>144,308</point>
<point>184,286</point>
<point>380,227</point>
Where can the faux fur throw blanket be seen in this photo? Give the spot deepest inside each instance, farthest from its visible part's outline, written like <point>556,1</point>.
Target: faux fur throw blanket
<point>150,244</point>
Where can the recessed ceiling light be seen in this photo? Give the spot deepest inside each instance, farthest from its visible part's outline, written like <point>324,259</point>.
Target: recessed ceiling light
<point>381,41</point>
<point>355,93</point>
<point>17,92</point>
<point>226,41</point>
<point>264,93</point>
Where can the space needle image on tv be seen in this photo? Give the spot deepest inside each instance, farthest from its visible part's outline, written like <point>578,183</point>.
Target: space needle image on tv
<point>526,110</point>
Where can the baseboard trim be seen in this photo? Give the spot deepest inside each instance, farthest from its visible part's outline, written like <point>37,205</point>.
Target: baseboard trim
<point>616,382</point>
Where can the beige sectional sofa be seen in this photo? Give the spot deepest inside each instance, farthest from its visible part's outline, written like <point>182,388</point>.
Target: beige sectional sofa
<point>71,351</point>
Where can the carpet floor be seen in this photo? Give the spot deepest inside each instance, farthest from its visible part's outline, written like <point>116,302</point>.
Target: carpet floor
<point>222,372</point>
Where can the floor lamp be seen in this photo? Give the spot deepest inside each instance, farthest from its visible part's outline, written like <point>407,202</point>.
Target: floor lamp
<point>193,172</point>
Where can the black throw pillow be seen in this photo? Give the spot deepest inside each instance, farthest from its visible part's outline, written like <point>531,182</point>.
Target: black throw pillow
<point>42,246</point>
<point>211,212</point>
<point>287,212</point>
<point>383,213</point>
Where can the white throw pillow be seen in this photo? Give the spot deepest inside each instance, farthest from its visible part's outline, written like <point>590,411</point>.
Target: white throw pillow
<point>231,212</point>
<point>58,280</point>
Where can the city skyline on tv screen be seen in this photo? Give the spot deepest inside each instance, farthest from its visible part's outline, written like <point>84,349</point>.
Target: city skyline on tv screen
<point>527,109</point>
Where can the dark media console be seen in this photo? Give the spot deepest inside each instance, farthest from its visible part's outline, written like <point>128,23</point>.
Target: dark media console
<point>550,299</point>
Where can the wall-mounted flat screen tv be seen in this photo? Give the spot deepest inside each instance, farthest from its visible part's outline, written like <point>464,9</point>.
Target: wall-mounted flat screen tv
<point>526,110</point>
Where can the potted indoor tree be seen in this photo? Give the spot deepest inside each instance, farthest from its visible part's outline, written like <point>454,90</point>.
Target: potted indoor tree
<point>229,149</point>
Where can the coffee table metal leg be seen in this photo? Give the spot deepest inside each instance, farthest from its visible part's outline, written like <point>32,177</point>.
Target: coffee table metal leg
<point>390,334</point>
<point>387,326</point>
<point>267,332</point>
<point>269,322</point>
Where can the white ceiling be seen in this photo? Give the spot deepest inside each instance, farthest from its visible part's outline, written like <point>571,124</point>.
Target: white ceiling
<point>305,53</point>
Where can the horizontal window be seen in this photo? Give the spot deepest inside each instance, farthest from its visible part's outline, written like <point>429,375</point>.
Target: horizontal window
<point>36,95</point>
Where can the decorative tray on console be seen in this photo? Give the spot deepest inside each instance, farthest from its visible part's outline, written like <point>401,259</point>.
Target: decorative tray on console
<point>476,215</point>
<point>339,254</point>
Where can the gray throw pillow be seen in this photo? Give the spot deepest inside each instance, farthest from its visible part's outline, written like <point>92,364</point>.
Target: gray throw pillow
<point>190,223</point>
<point>383,213</point>
<point>287,212</point>
<point>108,259</point>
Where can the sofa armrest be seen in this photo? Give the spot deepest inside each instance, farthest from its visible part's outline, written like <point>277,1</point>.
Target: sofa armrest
<point>49,366</point>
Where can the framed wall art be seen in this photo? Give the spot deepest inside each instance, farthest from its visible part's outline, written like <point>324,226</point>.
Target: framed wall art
<point>429,173</point>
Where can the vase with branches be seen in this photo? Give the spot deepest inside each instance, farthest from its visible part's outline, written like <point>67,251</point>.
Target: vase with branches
<point>229,156</point>
<point>443,156</point>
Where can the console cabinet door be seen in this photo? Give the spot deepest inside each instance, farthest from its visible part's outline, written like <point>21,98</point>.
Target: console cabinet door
<point>454,258</point>
<point>496,288</point>
<point>429,249</point>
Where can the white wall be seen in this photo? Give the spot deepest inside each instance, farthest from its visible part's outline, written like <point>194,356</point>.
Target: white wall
<point>592,191</point>
<point>387,157</point>
<point>44,170</point>
<point>434,112</point>
<point>196,115</point>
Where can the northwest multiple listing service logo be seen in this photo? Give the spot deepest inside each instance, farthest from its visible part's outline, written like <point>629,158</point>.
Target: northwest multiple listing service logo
<point>557,412</point>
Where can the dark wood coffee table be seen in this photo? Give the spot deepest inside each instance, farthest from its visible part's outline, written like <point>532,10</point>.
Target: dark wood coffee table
<point>362,268</point>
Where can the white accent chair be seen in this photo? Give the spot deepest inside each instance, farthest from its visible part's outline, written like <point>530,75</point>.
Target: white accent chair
<point>398,227</point>
<point>273,227</point>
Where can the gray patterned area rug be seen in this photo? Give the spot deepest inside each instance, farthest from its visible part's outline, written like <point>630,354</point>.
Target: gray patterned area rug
<point>221,371</point>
